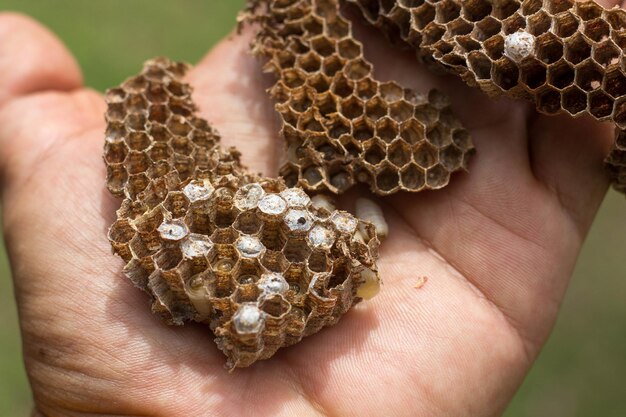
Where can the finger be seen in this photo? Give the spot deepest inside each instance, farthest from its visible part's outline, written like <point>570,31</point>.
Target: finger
<point>230,91</point>
<point>32,59</point>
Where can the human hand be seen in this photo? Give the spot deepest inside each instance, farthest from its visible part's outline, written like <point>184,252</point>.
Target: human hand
<point>498,246</point>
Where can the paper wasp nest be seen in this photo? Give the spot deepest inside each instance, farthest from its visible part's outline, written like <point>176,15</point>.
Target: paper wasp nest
<point>212,243</point>
<point>342,126</point>
<point>565,55</point>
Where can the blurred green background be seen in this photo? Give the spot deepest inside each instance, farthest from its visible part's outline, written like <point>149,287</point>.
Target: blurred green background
<point>581,372</point>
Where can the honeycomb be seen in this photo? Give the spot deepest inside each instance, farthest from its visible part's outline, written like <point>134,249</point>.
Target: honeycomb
<point>212,243</point>
<point>341,125</point>
<point>567,56</point>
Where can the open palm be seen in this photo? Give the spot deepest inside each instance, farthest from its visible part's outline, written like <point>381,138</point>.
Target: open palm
<point>497,246</point>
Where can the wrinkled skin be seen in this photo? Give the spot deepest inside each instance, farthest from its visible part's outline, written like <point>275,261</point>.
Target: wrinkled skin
<point>498,247</point>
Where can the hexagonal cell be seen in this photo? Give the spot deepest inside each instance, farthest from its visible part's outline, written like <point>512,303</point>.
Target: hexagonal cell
<point>422,15</point>
<point>115,151</point>
<point>589,76</point>
<point>606,53</point>
<point>168,258</point>
<point>342,87</point>
<point>486,28</point>
<point>376,108</point>
<point>275,307</point>
<point>446,11</point>
<point>177,204</point>
<point>387,179</point>
<point>312,175</point>
<point>349,48</point>
<point>558,6</point>
<point>400,110</point>
<point>437,177</point>
<point>363,129</point>
<point>615,83</point>
<point>337,28</point>
<point>293,78</point>
<point>320,82</point>
<point>137,141</point>
<point>275,261</point>
<point>412,131</point>
<point>340,177</point>
<point>310,62</point>
<point>136,103</point>
<point>451,158</point>
<point>352,107</point>
<point>539,23</point>
<point>494,47</point>
<point>366,88</point>
<point>480,65</point>
<point>386,129</point>
<point>588,10</point>
<point>616,18</point>
<point>224,236</point>
<point>475,10</point>
<point>323,46</point>
<point>296,250</point>
<point>248,222</point>
<point>505,8</point>
<point>332,65</point>
<point>390,91</point>
<point>565,24</point>
<point>156,94</point>
<point>357,69</point>
<point>574,100</point>
<point>375,153</point>
<point>505,73</point>
<point>597,29</point>
<point>438,136</point>
<point>533,73</point>
<point>136,121</point>
<point>513,24</point>
<point>181,145</point>
<point>548,48</point>
<point>412,177</point>
<point>313,25</point>
<point>459,27</point>
<point>426,155</point>
<point>137,162</point>
<point>548,101</point>
<point>561,75</point>
<point>318,261</point>
<point>600,104</point>
<point>326,104</point>
<point>115,130</point>
<point>399,153</point>
<point>116,112</point>
<point>136,184</point>
<point>531,7</point>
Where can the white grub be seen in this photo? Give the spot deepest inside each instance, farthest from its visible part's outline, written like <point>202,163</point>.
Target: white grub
<point>321,237</point>
<point>198,190</point>
<point>248,319</point>
<point>369,211</point>
<point>295,197</point>
<point>370,286</point>
<point>173,230</point>
<point>272,204</point>
<point>273,283</point>
<point>344,222</point>
<point>250,246</point>
<point>196,246</point>
<point>199,296</point>
<point>323,202</point>
<point>519,45</point>
<point>248,196</point>
<point>298,220</point>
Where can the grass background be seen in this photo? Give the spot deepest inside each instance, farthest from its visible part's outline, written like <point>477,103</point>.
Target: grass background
<point>581,372</point>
